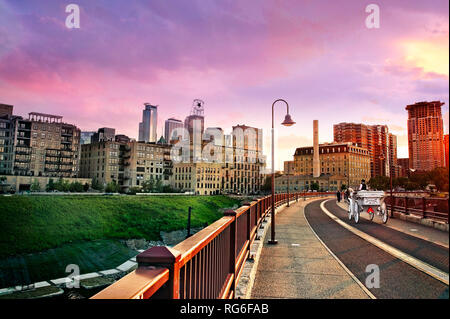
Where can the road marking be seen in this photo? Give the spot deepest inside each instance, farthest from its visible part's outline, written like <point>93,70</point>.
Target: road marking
<point>416,263</point>
<point>413,229</point>
<point>295,245</point>
<point>364,288</point>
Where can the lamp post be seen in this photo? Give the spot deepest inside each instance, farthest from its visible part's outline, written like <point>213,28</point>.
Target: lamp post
<point>288,171</point>
<point>392,197</point>
<point>287,122</point>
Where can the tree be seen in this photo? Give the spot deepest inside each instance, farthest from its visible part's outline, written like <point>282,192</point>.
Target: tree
<point>50,186</point>
<point>158,186</point>
<point>3,185</point>
<point>439,177</point>
<point>267,186</point>
<point>399,182</point>
<point>97,185</point>
<point>315,186</point>
<point>76,187</point>
<point>420,178</point>
<point>148,186</point>
<point>343,187</point>
<point>379,183</point>
<point>35,186</point>
<point>62,185</point>
<point>134,190</point>
<point>112,187</point>
<point>169,189</point>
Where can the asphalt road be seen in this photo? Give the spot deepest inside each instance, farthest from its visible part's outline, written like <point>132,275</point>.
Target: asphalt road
<point>433,254</point>
<point>397,278</point>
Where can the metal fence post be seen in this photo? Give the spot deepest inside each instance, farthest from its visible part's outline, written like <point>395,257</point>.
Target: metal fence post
<point>162,256</point>
<point>249,226</point>
<point>233,242</point>
<point>189,223</point>
<point>424,207</point>
<point>406,205</point>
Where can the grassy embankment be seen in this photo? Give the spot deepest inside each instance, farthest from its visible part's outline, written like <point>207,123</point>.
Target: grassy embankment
<point>85,230</point>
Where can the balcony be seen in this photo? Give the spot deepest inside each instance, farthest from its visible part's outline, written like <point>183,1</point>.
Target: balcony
<point>52,162</point>
<point>22,160</point>
<point>23,152</point>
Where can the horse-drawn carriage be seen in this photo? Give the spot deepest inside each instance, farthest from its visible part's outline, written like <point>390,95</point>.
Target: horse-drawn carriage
<point>371,202</point>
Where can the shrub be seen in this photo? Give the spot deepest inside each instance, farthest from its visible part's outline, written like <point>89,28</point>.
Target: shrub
<point>148,186</point>
<point>76,187</point>
<point>134,190</point>
<point>97,185</point>
<point>112,187</point>
<point>35,186</point>
<point>50,186</point>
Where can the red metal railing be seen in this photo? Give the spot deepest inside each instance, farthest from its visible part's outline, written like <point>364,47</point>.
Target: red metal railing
<point>423,207</point>
<point>205,265</point>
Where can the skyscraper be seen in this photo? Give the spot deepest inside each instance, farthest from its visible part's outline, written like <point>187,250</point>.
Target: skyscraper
<point>170,125</point>
<point>147,128</point>
<point>446,150</point>
<point>196,120</point>
<point>425,135</point>
<point>195,126</point>
<point>374,138</point>
<point>403,167</point>
<point>393,162</point>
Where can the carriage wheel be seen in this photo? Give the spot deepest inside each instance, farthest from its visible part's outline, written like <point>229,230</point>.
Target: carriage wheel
<point>356,210</point>
<point>350,211</point>
<point>384,213</point>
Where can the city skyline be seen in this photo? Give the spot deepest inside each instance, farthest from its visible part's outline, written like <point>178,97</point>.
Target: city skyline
<point>325,63</point>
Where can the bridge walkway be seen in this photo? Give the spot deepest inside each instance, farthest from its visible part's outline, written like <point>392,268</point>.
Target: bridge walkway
<point>300,266</point>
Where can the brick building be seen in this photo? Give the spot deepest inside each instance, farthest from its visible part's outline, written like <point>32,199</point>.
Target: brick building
<point>425,135</point>
<point>374,138</point>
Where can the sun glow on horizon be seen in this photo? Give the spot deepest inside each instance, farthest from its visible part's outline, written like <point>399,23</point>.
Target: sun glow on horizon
<point>431,56</point>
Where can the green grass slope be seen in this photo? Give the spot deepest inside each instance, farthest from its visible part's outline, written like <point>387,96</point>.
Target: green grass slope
<point>36,223</point>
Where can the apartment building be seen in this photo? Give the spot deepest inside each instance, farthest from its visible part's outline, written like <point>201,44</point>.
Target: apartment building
<point>425,135</point>
<point>42,145</point>
<point>446,149</point>
<point>198,178</point>
<point>394,168</point>
<point>347,160</point>
<point>229,164</point>
<point>128,163</point>
<point>374,138</point>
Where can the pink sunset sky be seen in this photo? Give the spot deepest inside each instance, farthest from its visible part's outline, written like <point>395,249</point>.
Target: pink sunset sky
<point>237,56</point>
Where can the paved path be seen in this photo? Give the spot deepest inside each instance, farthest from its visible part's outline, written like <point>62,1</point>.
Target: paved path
<point>397,278</point>
<point>299,266</point>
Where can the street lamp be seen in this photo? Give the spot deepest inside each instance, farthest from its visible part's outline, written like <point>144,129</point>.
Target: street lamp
<point>287,122</point>
<point>288,171</point>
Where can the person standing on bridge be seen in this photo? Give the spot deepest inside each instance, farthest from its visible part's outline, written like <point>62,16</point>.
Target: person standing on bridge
<point>338,195</point>
<point>363,186</point>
